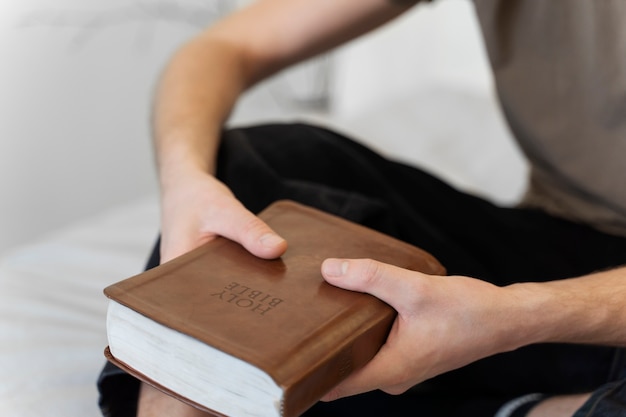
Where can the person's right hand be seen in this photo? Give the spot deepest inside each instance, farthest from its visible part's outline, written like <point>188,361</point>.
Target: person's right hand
<point>196,207</point>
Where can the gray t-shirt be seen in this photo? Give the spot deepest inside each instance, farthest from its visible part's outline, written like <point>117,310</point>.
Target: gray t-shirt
<point>560,74</point>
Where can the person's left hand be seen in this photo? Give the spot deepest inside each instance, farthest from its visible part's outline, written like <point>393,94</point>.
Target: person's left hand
<point>443,323</point>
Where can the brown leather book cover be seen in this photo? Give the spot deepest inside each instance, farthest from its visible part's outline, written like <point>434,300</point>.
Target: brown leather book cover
<point>278,315</point>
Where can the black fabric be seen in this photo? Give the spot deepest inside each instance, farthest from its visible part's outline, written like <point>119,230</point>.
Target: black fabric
<point>609,400</point>
<point>470,236</point>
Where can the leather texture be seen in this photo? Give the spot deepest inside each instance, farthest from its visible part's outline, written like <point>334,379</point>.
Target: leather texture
<point>279,315</point>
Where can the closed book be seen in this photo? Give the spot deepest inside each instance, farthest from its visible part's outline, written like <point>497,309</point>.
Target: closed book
<point>236,335</point>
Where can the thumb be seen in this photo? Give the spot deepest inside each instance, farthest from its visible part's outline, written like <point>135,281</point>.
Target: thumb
<point>253,234</point>
<point>392,285</point>
<point>386,282</point>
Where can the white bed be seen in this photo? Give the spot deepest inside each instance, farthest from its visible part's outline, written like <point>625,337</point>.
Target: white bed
<point>52,310</point>
<point>52,328</point>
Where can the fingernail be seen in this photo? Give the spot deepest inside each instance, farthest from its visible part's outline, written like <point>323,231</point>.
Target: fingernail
<point>270,240</point>
<point>335,267</point>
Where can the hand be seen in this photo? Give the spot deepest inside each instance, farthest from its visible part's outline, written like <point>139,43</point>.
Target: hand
<point>197,207</point>
<point>443,323</point>
<point>153,402</point>
<point>559,406</point>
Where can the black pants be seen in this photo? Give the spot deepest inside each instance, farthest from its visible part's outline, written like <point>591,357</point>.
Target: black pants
<point>468,235</point>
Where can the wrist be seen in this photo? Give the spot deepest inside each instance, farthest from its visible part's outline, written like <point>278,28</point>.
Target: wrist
<point>182,168</point>
<point>184,153</point>
<point>577,310</point>
<point>529,314</point>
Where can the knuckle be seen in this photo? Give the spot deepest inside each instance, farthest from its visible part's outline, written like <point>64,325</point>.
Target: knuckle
<point>372,271</point>
<point>396,390</point>
<point>252,226</point>
<point>400,384</point>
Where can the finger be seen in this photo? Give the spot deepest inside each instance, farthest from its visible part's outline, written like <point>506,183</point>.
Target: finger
<point>381,372</point>
<point>386,282</point>
<point>397,287</point>
<point>252,233</point>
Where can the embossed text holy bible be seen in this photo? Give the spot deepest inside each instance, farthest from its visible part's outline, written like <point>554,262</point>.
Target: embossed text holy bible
<point>236,335</point>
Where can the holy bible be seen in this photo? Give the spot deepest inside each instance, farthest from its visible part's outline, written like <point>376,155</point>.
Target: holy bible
<point>236,335</point>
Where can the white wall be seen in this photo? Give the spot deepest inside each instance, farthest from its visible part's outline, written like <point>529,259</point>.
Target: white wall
<point>75,87</point>
<point>76,79</point>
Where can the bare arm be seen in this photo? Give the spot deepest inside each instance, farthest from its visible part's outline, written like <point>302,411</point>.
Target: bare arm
<point>195,96</point>
<point>448,322</point>
<point>589,309</point>
<point>199,89</point>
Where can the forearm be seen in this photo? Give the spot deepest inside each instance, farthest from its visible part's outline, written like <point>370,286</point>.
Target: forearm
<point>194,98</point>
<point>588,310</point>
<point>206,76</point>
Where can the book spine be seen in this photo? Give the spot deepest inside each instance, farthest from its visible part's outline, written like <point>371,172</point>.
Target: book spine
<point>337,365</point>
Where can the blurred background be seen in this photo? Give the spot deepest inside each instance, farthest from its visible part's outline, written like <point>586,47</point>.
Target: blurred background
<point>76,82</point>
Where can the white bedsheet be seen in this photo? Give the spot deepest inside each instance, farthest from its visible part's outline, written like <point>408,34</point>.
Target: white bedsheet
<point>52,311</point>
